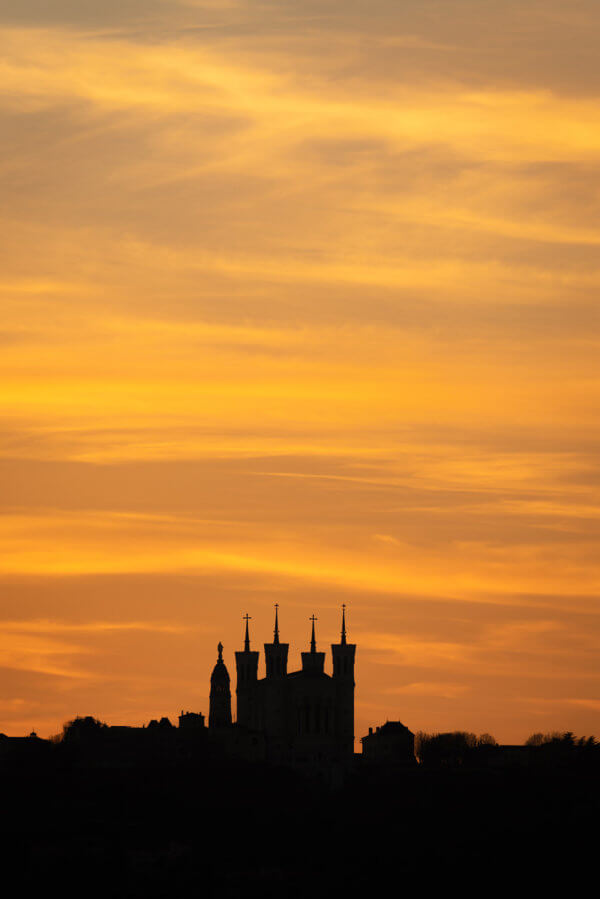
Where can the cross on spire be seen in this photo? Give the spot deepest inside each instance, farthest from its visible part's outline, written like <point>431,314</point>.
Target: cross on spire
<point>276,631</point>
<point>313,642</point>
<point>247,618</point>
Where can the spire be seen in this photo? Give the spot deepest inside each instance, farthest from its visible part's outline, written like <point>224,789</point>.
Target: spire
<point>313,642</point>
<point>343,640</point>
<point>247,618</point>
<point>276,653</point>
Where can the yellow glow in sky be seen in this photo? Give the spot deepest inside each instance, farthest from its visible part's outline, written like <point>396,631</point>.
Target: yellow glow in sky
<point>301,308</point>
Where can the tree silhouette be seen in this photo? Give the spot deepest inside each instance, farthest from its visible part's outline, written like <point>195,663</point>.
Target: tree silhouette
<point>81,729</point>
<point>564,749</point>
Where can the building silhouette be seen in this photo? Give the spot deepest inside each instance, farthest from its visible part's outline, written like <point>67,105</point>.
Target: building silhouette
<point>391,743</point>
<point>305,717</point>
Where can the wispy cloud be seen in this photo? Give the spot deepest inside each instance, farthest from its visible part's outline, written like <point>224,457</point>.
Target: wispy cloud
<point>40,626</point>
<point>46,647</point>
<point>302,298</point>
<point>444,689</point>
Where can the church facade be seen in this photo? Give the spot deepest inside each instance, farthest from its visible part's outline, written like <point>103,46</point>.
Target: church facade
<point>304,717</point>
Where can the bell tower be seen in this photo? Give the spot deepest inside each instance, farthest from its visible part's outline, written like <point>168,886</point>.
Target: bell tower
<point>247,675</point>
<point>343,654</point>
<point>220,694</point>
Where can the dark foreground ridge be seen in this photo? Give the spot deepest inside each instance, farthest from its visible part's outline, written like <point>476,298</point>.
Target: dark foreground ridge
<point>226,828</point>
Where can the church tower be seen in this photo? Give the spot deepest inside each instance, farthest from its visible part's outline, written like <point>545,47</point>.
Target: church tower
<point>276,653</point>
<point>220,694</point>
<point>274,706</point>
<point>313,662</point>
<point>343,675</point>
<point>247,674</point>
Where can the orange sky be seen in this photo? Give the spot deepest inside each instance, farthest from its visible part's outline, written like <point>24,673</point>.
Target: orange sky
<point>300,305</point>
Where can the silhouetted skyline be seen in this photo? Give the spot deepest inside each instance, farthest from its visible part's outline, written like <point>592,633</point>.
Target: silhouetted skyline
<point>301,719</point>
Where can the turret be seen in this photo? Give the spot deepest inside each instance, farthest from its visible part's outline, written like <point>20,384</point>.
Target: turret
<point>313,661</point>
<point>276,653</point>
<point>220,694</point>
<point>247,674</point>
<point>343,654</point>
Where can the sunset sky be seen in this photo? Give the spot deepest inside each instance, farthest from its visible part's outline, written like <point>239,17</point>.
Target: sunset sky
<point>300,305</point>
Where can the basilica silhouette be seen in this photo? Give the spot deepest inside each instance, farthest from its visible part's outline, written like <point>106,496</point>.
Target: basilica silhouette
<point>301,717</point>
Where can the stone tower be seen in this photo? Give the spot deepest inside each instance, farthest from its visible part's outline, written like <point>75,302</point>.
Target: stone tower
<point>220,694</point>
<point>247,674</point>
<point>343,654</point>
<point>275,690</point>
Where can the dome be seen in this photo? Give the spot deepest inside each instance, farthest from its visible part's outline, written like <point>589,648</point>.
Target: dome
<point>220,673</point>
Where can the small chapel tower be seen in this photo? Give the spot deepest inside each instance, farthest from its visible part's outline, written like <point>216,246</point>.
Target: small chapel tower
<point>220,694</point>
<point>343,675</point>
<point>247,674</point>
